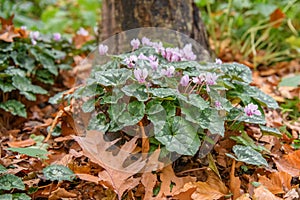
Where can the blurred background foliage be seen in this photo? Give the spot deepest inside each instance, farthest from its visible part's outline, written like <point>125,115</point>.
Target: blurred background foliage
<point>64,16</point>
<point>262,32</point>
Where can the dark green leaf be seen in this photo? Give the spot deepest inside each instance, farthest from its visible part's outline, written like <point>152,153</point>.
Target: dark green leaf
<point>158,116</point>
<point>10,181</point>
<point>20,196</point>
<point>162,92</point>
<point>6,197</point>
<point>2,169</point>
<point>14,107</point>
<point>98,123</point>
<point>179,135</point>
<point>6,86</point>
<point>24,84</point>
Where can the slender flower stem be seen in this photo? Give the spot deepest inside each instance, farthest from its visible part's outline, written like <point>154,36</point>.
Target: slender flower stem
<point>145,141</point>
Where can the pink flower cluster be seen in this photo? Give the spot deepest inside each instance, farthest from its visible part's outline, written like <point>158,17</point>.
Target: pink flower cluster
<point>170,54</point>
<point>208,79</point>
<point>252,109</point>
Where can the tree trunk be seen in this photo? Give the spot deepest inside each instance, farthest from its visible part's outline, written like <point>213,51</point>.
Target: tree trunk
<point>179,15</point>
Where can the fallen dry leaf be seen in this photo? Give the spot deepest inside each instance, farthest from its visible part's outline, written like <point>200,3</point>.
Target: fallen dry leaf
<point>277,17</point>
<point>244,197</point>
<point>277,183</point>
<point>234,183</point>
<point>88,177</point>
<point>291,195</point>
<point>262,193</point>
<point>23,143</point>
<point>289,163</point>
<point>60,193</point>
<point>116,175</point>
<point>149,181</point>
<point>168,177</point>
<point>213,188</point>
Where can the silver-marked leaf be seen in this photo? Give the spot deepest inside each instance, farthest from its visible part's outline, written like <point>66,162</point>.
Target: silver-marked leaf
<point>2,169</point>
<point>10,181</point>
<point>24,84</point>
<point>89,105</point>
<point>248,155</point>
<point>257,94</point>
<point>237,71</point>
<point>113,77</point>
<point>194,100</point>
<point>157,115</point>
<point>20,196</point>
<point>162,92</point>
<point>136,90</point>
<point>270,131</point>
<point>31,151</point>
<point>14,107</point>
<point>58,173</point>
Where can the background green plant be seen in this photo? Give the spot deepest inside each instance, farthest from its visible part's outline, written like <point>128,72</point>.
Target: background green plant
<point>247,27</point>
<point>53,15</point>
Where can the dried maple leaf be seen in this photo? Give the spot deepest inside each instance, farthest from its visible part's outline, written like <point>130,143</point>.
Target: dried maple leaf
<point>117,174</point>
<point>277,183</point>
<point>289,163</point>
<point>61,193</point>
<point>262,193</point>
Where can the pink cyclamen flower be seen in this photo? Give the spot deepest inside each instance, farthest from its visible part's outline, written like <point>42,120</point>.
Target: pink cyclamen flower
<point>141,75</point>
<point>102,49</point>
<point>218,61</point>
<point>218,104</point>
<point>154,64</point>
<point>142,57</point>
<point>184,81</point>
<point>146,41</point>
<point>23,28</point>
<point>33,42</point>
<point>34,35</point>
<point>135,43</point>
<point>131,61</point>
<point>199,79</point>
<point>168,72</point>
<point>82,32</point>
<point>187,52</point>
<point>56,37</point>
<point>252,109</point>
<point>210,78</point>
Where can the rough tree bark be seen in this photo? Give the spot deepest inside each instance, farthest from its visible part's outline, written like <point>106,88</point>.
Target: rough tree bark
<point>179,15</point>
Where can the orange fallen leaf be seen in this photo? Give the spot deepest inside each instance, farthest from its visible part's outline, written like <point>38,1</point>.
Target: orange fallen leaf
<point>23,143</point>
<point>88,177</point>
<point>235,183</point>
<point>168,177</point>
<point>277,183</point>
<point>213,188</point>
<point>244,197</point>
<point>277,17</point>
<point>118,175</point>
<point>289,163</point>
<point>60,193</point>
<point>149,181</point>
<point>262,193</point>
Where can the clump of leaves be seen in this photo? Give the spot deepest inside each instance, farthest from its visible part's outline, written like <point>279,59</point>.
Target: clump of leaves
<point>29,64</point>
<point>9,182</point>
<point>185,100</point>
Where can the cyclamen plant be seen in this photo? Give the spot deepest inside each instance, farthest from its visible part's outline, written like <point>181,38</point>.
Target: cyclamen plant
<point>183,99</point>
